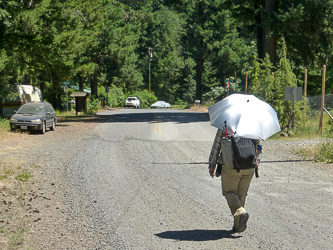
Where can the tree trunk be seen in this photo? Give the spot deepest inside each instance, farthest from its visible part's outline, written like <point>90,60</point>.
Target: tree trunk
<point>269,42</point>
<point>26,79</point>
<point>259,35</point>
<point>80,83</point>
<point>42,88</point>
<point>94,85</point>
<point>198,77</point>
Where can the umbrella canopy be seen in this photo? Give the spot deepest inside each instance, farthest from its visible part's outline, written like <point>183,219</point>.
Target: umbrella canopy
<point>246,116</point>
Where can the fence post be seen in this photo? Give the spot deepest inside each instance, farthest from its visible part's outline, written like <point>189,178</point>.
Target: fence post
<point>305,85</point>
<point>321,125</point>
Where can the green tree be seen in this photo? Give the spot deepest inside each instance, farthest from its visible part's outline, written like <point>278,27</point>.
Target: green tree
<point>211,39</point>
<point>262,82</point>
<point>271,87</point>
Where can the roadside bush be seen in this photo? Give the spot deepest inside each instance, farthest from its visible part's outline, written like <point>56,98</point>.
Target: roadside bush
<point>325,153</point>
<point>4,124</point>
<point>180,104</point>
<point>270,87</point>
<point>328,126</point>
<point>92,106</point>
<point>116,97</point>
<point>146,98</point>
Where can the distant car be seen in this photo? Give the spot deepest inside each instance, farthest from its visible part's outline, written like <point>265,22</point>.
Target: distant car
<point>160,104</point>
<point>34,117</point>
<point>132,102</point>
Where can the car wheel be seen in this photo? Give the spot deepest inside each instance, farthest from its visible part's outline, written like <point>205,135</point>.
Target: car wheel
<point>43,129</point>
<point>53,126</point>
<point>139,106</point>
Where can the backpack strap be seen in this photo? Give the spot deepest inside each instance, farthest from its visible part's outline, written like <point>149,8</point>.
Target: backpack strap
<point>232,150</point>
<point>256,167</point>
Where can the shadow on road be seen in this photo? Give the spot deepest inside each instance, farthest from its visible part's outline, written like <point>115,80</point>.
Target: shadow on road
<point>180,163</point>
<point>181,117</point>
<point>284,161</point>
<point>198,235</point>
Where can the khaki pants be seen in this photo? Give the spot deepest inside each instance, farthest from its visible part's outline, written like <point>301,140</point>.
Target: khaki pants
<point>235,187</point>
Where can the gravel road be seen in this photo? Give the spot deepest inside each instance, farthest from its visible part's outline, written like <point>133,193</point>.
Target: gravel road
<point>138,179</point>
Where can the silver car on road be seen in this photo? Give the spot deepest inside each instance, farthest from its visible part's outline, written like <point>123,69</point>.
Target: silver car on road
<point>160,104</point>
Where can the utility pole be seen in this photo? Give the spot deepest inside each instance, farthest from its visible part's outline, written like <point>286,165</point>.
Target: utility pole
<point>246,83</point>
<point>149,67</point>
<point>305,85</point>
<point>150,58</point>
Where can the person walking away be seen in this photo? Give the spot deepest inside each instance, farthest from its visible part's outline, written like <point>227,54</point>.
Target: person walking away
<point>235,184</point>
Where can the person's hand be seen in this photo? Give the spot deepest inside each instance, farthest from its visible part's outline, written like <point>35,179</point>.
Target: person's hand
<point>211,171</point>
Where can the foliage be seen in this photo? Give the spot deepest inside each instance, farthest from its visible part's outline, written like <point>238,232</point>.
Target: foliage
<point>146,98</point>
<point>195,44</point>
<point>262,83</point>
<point>93,105</point>
<point>116,97</point>
<point>284,77</point>
<point>17,239</point>
<point>4,124</point>
<point>270,87</point>
<point>325,152</point>
<point>215,94</point>
<point>180,104</point>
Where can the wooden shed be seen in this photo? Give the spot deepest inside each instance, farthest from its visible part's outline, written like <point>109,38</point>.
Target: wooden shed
<point>81,99</point>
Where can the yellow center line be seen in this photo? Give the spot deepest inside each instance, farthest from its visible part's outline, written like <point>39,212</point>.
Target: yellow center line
<point>159,126</point>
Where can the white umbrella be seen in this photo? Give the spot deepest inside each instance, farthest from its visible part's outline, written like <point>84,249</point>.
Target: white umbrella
<point>246,116</point>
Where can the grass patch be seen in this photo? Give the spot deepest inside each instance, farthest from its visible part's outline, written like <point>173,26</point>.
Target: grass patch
<point>3,177</point>
<point>7,171</point>
<point>322,152</point>
<point>308,152</point>
<point>325,152</point>
<point>65,113</point>
<point>16,239</point>
<point>199,108</point>
<point>308,130</point>
<point>23,177</point>
<point>4,125</point>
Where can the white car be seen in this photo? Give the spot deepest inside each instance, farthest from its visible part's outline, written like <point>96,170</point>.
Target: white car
<point>160,104</point>
<point>132,102</point>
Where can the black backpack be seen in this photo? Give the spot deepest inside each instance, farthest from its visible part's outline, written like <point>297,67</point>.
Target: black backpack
<point>245,154</point>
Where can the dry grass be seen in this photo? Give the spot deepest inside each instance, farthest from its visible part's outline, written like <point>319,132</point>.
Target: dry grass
<point>199,108</point>
<point>14,174</point>
<point>308,152</point>
<point>19,177</point>
<point>4,125</point>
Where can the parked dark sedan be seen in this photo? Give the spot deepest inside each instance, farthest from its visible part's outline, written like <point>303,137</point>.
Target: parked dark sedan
<point>34,117</point>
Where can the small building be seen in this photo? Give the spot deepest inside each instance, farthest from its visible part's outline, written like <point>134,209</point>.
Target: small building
<point>81,99</point>
<point>21,94</point>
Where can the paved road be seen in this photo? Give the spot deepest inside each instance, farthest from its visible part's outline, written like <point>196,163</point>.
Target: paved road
<point>141,182</point>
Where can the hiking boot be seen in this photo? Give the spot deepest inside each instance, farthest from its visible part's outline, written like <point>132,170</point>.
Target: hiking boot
<point>242,223</point>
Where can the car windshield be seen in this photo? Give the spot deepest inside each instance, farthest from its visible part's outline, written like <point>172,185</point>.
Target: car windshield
<point>130,99</point>
<point>32,110</point>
